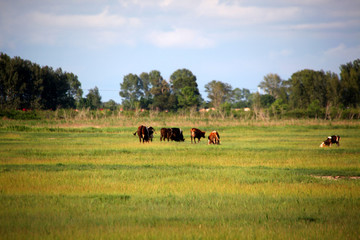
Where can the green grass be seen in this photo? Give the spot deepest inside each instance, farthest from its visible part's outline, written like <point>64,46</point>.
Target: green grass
<point>70,182</point>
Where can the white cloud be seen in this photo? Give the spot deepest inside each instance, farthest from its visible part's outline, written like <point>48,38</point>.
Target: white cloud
<point>246,14</point>
<point>281,53</point>
<point>101,20</point>
<point>326,26</point>
<point>184,38</point>
<point>343,52</point>
<point>194,24</point>
<point>91,30</point>
<point>336,50</point>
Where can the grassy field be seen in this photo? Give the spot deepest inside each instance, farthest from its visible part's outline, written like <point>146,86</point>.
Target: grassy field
<point>91,180</point>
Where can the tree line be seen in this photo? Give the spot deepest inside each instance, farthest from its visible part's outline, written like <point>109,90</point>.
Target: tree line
<point>305,89</point>
<point>27,85</point>
<point>24,84</point>
<point>152,91</point>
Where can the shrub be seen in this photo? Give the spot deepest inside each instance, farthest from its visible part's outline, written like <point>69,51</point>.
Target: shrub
<point>19,114</point>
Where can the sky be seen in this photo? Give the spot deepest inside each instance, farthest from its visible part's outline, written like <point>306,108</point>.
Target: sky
<point>233,41</point>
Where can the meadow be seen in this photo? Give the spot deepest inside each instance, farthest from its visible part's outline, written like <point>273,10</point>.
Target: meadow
<point>94,180</point>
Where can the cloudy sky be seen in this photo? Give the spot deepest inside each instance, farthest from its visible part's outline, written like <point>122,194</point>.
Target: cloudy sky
<point>233,41</point>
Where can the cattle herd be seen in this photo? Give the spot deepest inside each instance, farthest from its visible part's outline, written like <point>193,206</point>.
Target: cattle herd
<point>146,134</point>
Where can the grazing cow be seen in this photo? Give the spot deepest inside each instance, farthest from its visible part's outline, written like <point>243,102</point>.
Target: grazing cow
<point>165,133</point>
<point>151,133</point>
<point>196,133</point>
<point>330,141</point>
<point>177,135</point>
<point>143,133</point>
<point>214,138</point>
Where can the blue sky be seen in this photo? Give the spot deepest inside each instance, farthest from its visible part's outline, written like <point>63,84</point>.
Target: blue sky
<point>233,41</point>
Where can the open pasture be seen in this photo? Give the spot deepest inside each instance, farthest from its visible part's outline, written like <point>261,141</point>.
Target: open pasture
<point>262,182</point>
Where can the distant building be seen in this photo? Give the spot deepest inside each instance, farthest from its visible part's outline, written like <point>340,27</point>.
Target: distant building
<point>207,109</point>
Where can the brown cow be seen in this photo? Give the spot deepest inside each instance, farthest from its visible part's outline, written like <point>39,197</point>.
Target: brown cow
<point>143,133</point>
<point>196,133</point>
<point>330,141</point>
<point>214,138</point>
<point>165,133</point>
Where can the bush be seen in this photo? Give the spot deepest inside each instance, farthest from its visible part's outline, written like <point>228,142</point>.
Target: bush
<point>296,113</point>
<point>351,113</point>
<point>19,114</point>
<point>275,111</point>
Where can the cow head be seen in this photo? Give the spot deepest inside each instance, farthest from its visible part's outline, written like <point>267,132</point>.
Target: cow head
<point>151,130</point>
<point>326,143</point>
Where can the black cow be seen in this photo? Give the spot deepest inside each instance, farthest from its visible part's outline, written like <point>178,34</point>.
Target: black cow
<point>330,141</point>
<point>177,135</point>
<point>165,133</point>
<point>151,133</point>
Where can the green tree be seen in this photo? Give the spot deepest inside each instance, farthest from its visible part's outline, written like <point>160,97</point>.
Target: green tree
<point>159,92</point>
<point>146,86</point>
<point>307,86</point>
<point>163,97</point>
<point>56,89</point>
<point>314,109</point>
<point>241,98</point>
<point>156,80</point>
<point>165,101</point>
<point>271,84</point>
<point>49,95</point>
<point>75,92</point>
<point>20,83</point>
<point>24,84</point>
<point>266,100</point>
<point>186,97</point>
<point>131,91</point>
<point>111,105</point>
<point>218,93</point>
<point>256,101</point>
<point>278,107</point>
<point>184,87</point>
<point>350,83</point>
<point>93,99</point>
<point>333,89</point>
<point>5,71</point>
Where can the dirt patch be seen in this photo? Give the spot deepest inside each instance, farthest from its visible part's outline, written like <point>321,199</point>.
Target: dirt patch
<point>337,177</point>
